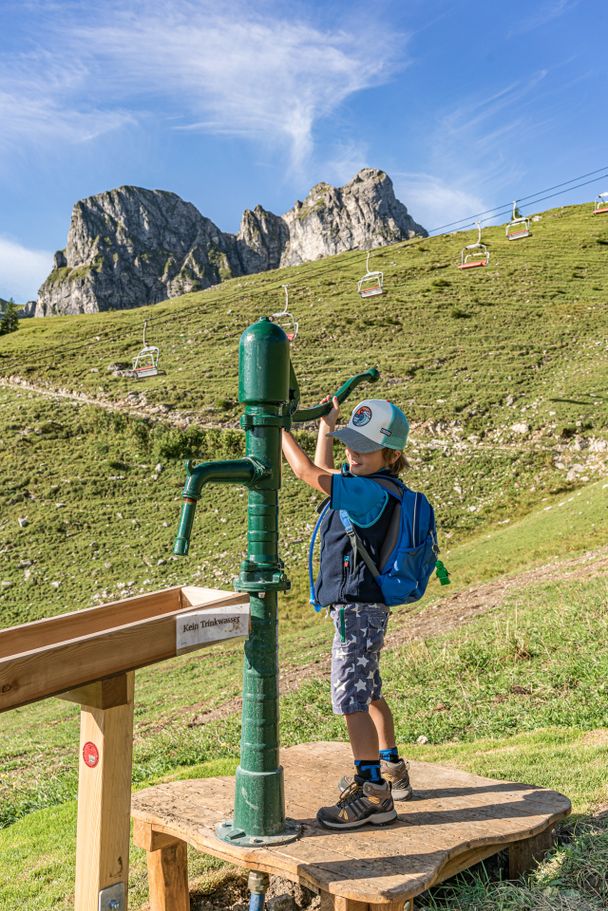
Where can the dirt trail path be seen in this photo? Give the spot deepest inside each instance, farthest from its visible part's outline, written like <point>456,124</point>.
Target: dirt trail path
<point>440,617</point>
<point>131,405</point>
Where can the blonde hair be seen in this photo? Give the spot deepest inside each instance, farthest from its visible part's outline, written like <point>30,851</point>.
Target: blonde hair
<point>395,465</point>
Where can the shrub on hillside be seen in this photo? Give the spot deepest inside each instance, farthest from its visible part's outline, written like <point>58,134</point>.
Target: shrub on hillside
<point>9,321</point>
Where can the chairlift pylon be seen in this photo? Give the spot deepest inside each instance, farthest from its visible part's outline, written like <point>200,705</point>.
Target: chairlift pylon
<point>601,204</point>
<point>519,226</point>
<point>371,285</point>
<point>146,362</point>
<point>474,255</point>
<point>285,317</point>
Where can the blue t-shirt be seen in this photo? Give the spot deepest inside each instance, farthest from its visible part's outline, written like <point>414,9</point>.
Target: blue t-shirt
<point>362,499</point>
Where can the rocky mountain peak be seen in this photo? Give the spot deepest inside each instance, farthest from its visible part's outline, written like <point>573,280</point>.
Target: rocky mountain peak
<point>132,246</point>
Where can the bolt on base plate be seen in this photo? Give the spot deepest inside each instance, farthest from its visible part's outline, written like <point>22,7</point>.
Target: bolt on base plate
<point>226,831</point>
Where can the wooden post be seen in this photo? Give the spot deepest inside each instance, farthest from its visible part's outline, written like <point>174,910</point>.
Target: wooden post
<point>167,868</point>
<point>525,854</point>
<point>168,877</point>
<point>331,902</point>
<point>104,789</point>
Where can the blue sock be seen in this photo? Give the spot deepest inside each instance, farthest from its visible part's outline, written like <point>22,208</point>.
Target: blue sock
<point>369,769</point>
<point>391,755</point>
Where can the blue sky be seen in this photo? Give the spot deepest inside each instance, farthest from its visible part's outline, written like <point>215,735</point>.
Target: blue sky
<point>229,105</point>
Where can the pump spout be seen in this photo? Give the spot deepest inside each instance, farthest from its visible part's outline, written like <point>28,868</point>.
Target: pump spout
<point>229,471</point>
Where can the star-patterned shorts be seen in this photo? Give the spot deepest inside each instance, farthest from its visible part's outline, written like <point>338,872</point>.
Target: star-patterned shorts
<point>355,671</point>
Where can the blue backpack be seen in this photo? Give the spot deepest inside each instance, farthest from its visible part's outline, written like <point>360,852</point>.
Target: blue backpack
<point>409,552</point>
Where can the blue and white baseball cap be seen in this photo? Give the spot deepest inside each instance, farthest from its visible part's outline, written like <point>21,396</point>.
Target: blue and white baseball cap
<point>374,424</point>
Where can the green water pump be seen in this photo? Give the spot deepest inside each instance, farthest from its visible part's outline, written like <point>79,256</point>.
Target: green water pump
<point>269,391</point>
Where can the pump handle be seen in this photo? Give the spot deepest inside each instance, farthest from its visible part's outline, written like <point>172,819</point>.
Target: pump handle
<point>317,411</point>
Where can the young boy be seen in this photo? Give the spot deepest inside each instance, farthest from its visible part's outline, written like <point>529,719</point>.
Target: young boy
<point>374,439</point>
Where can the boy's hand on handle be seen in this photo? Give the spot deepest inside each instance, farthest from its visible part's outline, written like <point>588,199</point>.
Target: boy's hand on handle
<point>332,417</point>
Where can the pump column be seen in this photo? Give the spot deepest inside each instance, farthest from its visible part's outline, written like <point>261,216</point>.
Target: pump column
<point>259,812</point>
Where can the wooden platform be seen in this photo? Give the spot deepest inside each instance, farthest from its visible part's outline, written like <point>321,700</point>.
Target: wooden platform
<point>455,820</point>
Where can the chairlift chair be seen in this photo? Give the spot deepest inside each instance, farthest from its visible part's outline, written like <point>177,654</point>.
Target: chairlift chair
<point>371,285</point>
<point>474,255</point>
<point>519,226</point>
<point>601,204</point>
<point>285,320</point>
<point>146,362</point>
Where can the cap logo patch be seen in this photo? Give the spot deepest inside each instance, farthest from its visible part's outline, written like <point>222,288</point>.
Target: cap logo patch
<point>362,416</point>
<point>387,433</point>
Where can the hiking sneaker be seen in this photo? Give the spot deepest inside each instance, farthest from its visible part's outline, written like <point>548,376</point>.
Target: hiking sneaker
<point>394,772</point>
<point>361,802</point>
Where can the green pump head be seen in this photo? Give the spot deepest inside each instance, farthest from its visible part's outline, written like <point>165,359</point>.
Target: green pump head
<point>264,363</point>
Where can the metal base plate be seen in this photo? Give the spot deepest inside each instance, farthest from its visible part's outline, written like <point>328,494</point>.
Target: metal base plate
<point>226,831</point>
<point>113,898</point>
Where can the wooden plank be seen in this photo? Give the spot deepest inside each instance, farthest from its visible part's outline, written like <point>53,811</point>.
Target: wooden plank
<point>525,854</point>
<point>74,625</point>
<point>104,694</point>
<point>462,861</point>
<point>50,631</point>
<point>147,838</point>
<point>168,878</point>
<point>387,906</point>
<point>104,800</point>
<point>57,668</point>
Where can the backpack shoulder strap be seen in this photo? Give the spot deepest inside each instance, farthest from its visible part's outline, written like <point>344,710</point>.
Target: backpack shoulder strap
<point>311,551</point>
<point>357,545</point>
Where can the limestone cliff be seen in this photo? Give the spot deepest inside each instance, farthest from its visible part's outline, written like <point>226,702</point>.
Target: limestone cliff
<point>363,214</point>
<point>131,246</point>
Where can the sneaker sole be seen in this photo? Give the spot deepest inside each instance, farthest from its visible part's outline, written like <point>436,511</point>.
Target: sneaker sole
<point>378,819</point>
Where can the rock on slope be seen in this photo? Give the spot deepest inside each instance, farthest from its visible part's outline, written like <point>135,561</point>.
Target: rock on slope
<point>130,246</point>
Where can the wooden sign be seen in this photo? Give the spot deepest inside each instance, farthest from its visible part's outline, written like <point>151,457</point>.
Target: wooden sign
<point>204,627</point>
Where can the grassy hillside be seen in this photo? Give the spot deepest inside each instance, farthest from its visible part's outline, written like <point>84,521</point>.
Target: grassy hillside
<point>99,493</point>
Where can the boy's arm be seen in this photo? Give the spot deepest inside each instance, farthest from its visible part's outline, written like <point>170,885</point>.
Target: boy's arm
<point>324,452</point>
<point>303,468</point>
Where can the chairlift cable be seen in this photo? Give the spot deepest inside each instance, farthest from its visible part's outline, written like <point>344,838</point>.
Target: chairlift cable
<point>524,198</point>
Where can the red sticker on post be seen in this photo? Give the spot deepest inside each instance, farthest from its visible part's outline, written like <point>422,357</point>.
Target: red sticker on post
<point>90,754</point>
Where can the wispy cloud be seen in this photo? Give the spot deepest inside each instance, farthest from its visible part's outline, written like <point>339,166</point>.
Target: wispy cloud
<point>22,270</point>
<point>344,160</point>
<point>44,100</point>
<point>543,14</point>
<point>480,147</point>
<point>433,202</point>
<point>497,114</point>
<point>236,72</point>
<point>234,69</point>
